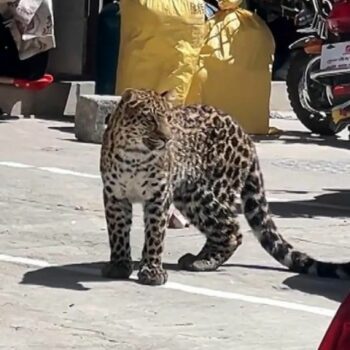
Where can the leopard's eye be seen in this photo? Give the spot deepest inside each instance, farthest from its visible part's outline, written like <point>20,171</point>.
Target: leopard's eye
<point>148,124</point>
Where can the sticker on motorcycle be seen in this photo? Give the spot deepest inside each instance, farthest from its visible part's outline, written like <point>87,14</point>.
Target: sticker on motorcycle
<point>335,56</point>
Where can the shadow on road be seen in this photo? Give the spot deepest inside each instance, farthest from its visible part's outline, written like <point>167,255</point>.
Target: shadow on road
<point>301,137</point>
<point>66,276</point>
<point>73,276</point>
<point>7,118</point>
<point>333,204</point>
<point>329,288</point>
<point>65,129</point>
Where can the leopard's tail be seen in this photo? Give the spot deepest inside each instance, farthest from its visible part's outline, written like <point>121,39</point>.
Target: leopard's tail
<point>257,213</point>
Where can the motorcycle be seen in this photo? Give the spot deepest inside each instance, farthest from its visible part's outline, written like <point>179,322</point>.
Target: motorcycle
<point>318,78</point>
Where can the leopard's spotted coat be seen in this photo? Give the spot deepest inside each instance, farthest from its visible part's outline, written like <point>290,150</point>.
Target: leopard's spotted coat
<point>200,159</point>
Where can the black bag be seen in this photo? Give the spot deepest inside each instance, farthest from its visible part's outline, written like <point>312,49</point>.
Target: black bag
<point>11,66</point>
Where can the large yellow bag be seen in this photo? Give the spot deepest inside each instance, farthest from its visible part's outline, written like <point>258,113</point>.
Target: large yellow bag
<point>234,73</point>
<point>160,44</point>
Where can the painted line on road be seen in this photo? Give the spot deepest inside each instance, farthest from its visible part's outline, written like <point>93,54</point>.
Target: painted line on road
<point>184,288</point>
<point>23,261</point>
<point>68,172</point>
<point>250,299</point>
<point>61,171</point>
<point>53,170</point>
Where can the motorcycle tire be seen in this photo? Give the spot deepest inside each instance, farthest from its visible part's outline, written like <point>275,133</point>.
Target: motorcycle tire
<point>316,123</point>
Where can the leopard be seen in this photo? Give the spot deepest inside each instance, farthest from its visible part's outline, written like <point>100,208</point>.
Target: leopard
<point>198,158</point>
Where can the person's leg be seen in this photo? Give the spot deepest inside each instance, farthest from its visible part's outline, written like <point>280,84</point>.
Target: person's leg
<point>176,220</point>
<point>10,65</point>
<point>34,67</point>
<point>8,52</point>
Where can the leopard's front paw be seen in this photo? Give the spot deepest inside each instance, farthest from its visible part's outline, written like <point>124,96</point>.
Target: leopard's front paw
<point>117,270</point>
<point>152,275</point>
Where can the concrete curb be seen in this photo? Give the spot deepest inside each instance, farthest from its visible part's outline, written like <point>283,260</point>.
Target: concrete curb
<point>90,117</point>
<point>279,97</point>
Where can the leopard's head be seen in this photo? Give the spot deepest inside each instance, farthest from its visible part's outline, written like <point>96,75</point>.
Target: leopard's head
<point>143,118</point>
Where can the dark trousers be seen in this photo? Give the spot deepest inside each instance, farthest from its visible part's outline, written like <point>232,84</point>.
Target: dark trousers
<point>11,66</point>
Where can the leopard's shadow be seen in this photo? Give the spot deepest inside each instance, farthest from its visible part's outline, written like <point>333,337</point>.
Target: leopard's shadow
<point>73,276</point>
<point>329,288</point>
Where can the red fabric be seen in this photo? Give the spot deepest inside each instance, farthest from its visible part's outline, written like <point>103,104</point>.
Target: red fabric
<point>337,336</point>
<point>39,84</point>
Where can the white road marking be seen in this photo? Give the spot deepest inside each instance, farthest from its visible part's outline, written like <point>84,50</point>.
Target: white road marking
<point>250,299</point>
<point>69,172</point>
<point>15,165</point>
<point>61,171</point>
<point>23,261</point>
<point>185,288</point>
<point>53,170</point>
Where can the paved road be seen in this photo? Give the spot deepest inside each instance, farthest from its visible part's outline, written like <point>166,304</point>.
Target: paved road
<point>53,239</point>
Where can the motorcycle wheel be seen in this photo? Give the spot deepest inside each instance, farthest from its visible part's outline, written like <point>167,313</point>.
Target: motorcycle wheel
<point>316,122</point>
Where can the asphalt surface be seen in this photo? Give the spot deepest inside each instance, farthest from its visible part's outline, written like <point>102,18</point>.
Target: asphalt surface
<point>53,239</point>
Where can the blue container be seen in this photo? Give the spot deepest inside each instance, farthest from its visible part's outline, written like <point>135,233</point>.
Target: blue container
<point>210,10</point>
<point>107,49</point>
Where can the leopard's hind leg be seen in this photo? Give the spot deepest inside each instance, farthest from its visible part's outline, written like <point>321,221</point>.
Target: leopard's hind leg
<point>216,219</point>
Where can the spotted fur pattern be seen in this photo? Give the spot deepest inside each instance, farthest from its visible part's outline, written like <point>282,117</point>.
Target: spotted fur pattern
<point>200,159</point>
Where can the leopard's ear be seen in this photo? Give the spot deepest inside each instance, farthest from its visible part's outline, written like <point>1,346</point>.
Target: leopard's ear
<point>128,94</point>
<point>170,95</point>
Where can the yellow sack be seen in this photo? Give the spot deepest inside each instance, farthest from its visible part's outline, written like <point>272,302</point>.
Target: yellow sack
<point>234,73</point>
<point>160,44</point>
<point>229,4</point>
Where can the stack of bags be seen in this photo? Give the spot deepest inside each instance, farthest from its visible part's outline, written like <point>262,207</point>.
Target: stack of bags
<point>224,61</point>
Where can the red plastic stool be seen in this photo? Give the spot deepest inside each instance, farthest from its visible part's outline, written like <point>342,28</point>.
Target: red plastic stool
<point>337,336</point>
<point>39,84</point>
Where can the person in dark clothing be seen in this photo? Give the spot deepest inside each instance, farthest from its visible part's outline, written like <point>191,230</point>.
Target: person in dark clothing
<point>26,36</point>
<point>31,68</point>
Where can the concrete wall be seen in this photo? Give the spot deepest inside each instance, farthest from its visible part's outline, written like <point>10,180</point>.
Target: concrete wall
<point>76,35</point>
